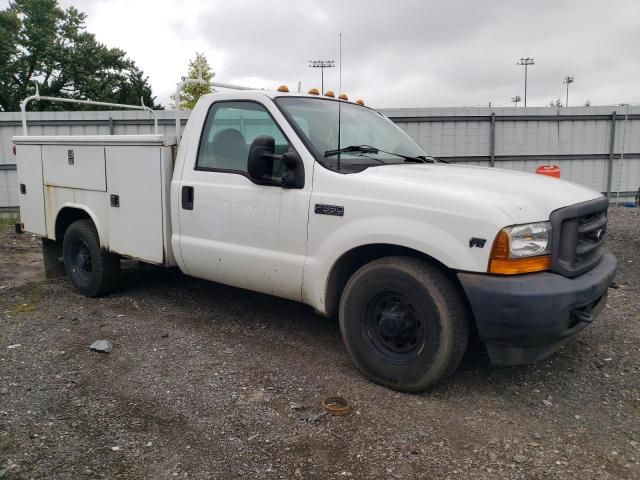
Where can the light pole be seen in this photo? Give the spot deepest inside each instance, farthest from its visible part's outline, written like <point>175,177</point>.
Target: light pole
<point>525,62</point>
<point>568,80</point>
<point>515,100</point>
<point>322,64</point>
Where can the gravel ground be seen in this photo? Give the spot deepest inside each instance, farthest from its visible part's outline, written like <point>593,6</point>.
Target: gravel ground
<point>207,381</point>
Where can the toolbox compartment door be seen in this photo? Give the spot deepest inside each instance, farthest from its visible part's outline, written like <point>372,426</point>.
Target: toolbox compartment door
<point>135,202</point>
<point>74,166</point>
<point>31,192</point>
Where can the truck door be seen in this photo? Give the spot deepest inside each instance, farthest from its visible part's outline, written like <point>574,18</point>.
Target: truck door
<point>232,230</point>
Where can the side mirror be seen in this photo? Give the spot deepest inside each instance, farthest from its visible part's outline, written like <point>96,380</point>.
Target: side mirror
<point>260,163</point>
<point>261,159</point>
<point>294,175</point>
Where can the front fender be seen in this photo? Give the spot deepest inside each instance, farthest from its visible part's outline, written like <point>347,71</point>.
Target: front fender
<point>444,240</point>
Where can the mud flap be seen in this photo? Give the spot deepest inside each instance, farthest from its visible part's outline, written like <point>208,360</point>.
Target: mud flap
<point>52,254</point>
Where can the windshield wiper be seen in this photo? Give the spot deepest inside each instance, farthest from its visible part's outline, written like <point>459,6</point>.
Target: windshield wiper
<point>430,159</point>
<point>351,148</point>
<point>370,149</point>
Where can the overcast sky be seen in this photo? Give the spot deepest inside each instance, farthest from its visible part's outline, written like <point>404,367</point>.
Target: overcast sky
<point>395,53</point>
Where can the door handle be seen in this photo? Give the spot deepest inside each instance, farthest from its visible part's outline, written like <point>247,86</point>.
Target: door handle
<point>187,198</point>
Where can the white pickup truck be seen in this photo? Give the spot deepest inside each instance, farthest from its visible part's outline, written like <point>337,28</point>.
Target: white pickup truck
<point>327,202</point>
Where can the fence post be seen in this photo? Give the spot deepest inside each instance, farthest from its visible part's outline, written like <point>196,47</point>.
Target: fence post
<point>612,140</point>
<point>492,141</point>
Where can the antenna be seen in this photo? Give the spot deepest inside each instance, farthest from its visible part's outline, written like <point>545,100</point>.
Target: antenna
<point>339,101</point>
<point>340,65</point>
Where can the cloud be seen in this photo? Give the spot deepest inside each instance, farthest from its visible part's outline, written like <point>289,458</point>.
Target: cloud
<point>402,53</point>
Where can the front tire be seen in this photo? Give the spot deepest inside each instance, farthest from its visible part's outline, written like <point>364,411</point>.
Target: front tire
<point>92,270</point>
<point>404,322</point>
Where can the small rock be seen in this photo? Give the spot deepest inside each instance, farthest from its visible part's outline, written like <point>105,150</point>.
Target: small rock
<point>149,444</point>
<point>492,457</point>
<point>103,346</point>
<point>547,403</point>
<point>520,458</point>
<point>296,406</point>
<point>115,449</point>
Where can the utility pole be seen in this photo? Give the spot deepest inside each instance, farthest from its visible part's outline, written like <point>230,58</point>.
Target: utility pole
<point>322,64</point>
<point>525,62</point>
<point>515,100</point>
<point>568,80</point>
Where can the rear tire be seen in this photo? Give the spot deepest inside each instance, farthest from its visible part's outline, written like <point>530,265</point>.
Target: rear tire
<point>92,270</point>
<point>404,322</point>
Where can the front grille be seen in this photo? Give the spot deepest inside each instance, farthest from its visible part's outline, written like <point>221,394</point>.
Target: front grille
<point>578,233</point>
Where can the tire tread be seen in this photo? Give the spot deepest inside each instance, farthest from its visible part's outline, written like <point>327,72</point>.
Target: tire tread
<point>107,267</point>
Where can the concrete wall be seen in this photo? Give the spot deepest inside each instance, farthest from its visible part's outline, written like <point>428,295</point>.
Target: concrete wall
<point>578,139</point>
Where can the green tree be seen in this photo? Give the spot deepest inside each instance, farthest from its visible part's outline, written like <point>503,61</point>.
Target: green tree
<point>191,93</point>
<point>44,44</point>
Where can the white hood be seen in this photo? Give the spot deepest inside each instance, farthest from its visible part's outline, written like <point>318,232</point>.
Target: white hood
<point>524,197</point>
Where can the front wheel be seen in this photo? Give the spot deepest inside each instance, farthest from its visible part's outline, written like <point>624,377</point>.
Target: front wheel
<point>92,270</point>
<point>405,323</point>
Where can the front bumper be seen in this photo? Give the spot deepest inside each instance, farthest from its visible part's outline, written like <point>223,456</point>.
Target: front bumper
<point>525,318</point>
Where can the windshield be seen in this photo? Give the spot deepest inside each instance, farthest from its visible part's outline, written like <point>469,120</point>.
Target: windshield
<point>367,138</point>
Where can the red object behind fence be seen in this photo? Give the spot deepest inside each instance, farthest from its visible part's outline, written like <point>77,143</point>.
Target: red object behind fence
<point>549,170</point>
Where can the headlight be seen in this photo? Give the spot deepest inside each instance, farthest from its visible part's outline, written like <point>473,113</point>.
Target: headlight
<point>529,240</point>
<point>521,249</point>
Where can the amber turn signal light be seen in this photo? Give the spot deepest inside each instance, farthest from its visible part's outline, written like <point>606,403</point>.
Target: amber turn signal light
<point>314,91</point>
<point>501,264</point>
<point>514,266</point>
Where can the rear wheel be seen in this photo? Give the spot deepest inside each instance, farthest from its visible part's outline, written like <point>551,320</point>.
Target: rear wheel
<point>92,270</point>
<point>404,322</point>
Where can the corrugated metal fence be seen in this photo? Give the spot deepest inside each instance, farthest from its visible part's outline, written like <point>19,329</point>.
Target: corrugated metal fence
<point>70,123</point>
<point>594,146</point>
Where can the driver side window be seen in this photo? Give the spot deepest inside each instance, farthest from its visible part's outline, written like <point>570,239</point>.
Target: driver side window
<point>228,132</point>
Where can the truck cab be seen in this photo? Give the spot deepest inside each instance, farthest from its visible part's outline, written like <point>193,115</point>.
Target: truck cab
<point>327,202</point>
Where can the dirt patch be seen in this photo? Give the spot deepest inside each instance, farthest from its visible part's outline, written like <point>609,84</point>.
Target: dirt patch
<point>20,257</point>
<point>207,381</point>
